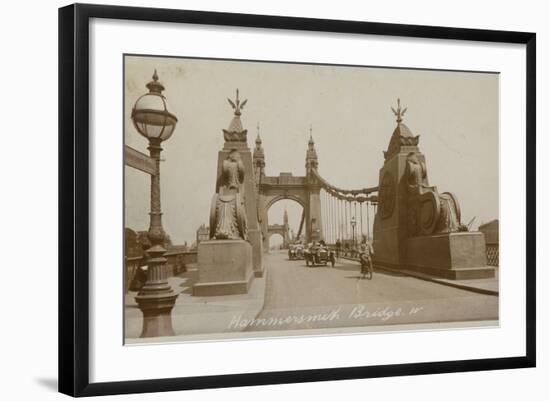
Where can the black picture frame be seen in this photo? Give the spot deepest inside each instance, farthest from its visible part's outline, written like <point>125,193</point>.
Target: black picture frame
<point>74,194</point>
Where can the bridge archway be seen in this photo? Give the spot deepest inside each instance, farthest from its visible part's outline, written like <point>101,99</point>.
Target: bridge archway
<point>272,237</point>
<point>282,215</point>
<point>318,219</point>
<point>303,191</point>
<point>272,199</point>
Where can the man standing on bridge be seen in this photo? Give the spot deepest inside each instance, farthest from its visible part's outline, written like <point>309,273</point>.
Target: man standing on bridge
<point>365,258</point>
<point>338,246</point>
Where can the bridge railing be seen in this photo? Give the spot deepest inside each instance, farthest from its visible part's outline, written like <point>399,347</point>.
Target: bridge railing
<point>177,263</point>
<point>491,249</point>
<point>132,265</point>
<point>178,260</point>
<point>492,254</point>
<point>345,252</point>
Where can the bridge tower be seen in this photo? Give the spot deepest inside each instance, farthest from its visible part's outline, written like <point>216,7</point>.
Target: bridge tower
<point>258,161</point>
<point>305,190</point>
<point>286,231</point>
<point>313,221</point>
<point>235,137</point>
<point>258,158</point>
<point>282,229</point>
<point>416,227</point>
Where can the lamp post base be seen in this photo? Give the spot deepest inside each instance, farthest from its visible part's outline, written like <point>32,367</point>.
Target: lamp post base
<point>157,313</point>
<point>156,298</point>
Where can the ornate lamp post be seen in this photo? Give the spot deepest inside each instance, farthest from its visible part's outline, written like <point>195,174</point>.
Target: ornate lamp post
<point>353,223</point>
<point>156,298</point>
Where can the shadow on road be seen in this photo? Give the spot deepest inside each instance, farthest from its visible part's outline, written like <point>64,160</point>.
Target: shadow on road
<point>348,268</point>
<point>389,273</point>
<point>191,277</point>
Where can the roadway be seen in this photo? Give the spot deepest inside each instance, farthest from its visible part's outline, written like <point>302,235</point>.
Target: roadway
<point>300,297</point>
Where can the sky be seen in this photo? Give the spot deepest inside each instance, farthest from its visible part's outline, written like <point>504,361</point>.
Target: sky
<point>348,109</point>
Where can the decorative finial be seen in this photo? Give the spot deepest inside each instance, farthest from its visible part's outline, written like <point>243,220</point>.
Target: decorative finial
<point>399,113</point>
<point>237,105</point>
<point>258,139</point>
<point>155,86</point>
<point>311,154</point>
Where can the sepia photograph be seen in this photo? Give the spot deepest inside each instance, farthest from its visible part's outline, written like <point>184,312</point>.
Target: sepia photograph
<point>249,199</point>
<point>277,199</point>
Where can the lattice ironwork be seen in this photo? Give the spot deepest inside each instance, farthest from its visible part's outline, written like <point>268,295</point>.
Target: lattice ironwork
<point>492,254</point>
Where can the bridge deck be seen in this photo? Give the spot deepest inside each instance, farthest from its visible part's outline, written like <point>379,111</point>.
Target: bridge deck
<point>294,289</point>
<point>295,297</point>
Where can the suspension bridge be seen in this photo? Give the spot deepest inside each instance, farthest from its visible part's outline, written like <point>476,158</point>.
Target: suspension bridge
<point>413,228</point>
<point>329,213</point>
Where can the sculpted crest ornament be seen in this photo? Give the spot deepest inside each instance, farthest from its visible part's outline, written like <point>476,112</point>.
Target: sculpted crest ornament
<point>402,138</point>
<point>227,212</point>
<point>235,132</point>
<point>429,212</point>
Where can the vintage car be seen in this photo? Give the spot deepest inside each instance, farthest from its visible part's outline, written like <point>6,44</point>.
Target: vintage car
<point>318,254</point>
<point>295,252</point>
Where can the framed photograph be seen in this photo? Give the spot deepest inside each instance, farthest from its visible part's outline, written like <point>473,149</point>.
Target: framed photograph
<point>251,199</point>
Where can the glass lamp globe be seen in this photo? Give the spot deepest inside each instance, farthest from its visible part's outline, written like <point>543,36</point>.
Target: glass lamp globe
<point>150,113</point>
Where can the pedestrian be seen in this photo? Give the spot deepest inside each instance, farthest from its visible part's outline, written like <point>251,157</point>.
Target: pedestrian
<point>365,258</point>
<point>338,246</point>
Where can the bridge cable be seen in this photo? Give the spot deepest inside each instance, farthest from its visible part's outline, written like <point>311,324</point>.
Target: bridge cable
<point>343,206</point>
<point>352,205</point>
<point>345,222</point>
<point>368,224</point>
<point>322,226</point>
<point>346,208</point>
<point>335,218</point>
<point>353,192</point>
<point>327,208</point>
<point>329,233</point>
<point>301,223</point>
<point>330,216</point>
<point>340,219</point>
<point>354,230</point>
<point>329,226</point>
<point>361,214</point>
<point>350,235</point>
<point>324,213</point>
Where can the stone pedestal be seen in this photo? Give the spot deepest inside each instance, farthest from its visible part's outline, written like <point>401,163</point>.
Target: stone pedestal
<point>456,256</point>
<point>225,268</point>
